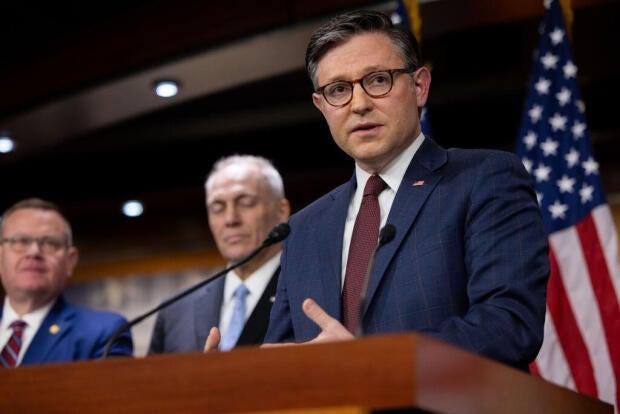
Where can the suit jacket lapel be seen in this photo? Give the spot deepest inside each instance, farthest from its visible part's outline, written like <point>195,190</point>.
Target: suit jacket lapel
<point>57,324</point>
<point>255,328</point>
<point>332,224</point>
<point>207,307</point>
<point>418,183</point>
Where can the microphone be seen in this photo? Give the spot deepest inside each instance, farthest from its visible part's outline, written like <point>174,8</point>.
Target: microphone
<point>386,235</point>
<point>277,234</point>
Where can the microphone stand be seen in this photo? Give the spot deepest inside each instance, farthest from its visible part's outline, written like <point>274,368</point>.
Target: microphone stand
<point>279,233</point>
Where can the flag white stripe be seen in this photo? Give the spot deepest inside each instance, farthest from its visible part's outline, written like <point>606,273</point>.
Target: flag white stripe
<point>551,361</point>
<point>607,234</point>
<point>576,280</point>
<point>606,231</point>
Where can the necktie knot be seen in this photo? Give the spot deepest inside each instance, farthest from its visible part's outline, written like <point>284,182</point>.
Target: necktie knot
<point>241,292</point>
<point>18,326</point>
<point>374,186</point>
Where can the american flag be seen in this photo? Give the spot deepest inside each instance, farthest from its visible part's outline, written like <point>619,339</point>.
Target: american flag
<point>581,348</point>
<point>407,13</point>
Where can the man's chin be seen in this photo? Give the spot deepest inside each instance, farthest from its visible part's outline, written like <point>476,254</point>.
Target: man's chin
<point>32,277</point>
<point>238,256</point>
<point>32,290</point>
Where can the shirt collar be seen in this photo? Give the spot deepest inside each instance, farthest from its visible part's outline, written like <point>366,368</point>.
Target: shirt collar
<point>33,319</point>
<point>394,172</point>
<point>256,282</point>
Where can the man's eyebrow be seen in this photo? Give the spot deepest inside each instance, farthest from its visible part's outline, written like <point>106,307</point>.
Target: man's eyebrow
<point>366,71</point>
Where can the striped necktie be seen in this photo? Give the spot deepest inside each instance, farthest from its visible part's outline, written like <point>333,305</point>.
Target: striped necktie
<point>10,352</point>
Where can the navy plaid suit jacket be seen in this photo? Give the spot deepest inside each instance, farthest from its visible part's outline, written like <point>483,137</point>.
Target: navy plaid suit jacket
<point>468,265</point>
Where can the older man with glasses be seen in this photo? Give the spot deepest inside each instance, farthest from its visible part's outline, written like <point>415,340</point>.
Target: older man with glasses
<point>37,324</point>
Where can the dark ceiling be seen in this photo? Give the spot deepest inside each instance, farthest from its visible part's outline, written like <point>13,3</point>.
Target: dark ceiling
<point>479,50</point>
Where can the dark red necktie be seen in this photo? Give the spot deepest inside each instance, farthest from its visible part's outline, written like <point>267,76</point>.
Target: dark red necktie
<point>363,242</point>
<point>10,352</point>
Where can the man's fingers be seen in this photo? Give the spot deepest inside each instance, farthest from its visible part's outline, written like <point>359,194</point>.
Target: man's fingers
<point>316,314</point>
<point>277,345</point>
<point>213,340</point>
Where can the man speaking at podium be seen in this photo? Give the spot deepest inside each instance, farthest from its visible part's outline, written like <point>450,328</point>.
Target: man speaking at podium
<point>467,263</point>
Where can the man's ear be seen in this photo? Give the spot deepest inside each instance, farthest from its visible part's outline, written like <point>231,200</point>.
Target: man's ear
<point>73,257</point>
<point>317,100</point>
<point>422,84</point>
<point>284,209</point>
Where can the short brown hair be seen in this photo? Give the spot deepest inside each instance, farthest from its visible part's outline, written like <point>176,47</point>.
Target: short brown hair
<point>39,204</point>
<point>343,27</point>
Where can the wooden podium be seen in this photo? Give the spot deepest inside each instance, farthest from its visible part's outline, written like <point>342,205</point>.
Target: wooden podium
<point>379,372</point>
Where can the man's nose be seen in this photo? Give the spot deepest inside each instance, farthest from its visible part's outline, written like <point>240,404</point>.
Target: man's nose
<point>231,215</point>
<point>360,100</point>
<point>34,247</point>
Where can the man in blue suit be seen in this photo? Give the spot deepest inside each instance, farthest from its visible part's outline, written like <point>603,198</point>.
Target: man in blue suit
<point>37,257</point>
<point>245,200</point>
<point>468,263</point>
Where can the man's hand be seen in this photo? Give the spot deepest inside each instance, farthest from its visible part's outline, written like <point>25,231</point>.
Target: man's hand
<point>331,329</point>
<point>213,340</point>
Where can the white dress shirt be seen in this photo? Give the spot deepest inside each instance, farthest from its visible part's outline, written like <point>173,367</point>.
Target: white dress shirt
<point>392,175</point>
<point>33,322</point>
<point>256,284</point>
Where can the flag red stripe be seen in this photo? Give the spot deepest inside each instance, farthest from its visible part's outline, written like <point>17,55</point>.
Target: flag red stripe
<point>568,332</point>
<point>603,288</point>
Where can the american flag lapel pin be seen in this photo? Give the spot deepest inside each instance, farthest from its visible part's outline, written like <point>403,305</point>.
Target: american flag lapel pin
<point>418,183</point>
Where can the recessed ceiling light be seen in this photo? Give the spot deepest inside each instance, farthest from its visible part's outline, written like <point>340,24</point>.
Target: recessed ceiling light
<point>6,144</point>
<point>166,88</point>
<point>133,208</point>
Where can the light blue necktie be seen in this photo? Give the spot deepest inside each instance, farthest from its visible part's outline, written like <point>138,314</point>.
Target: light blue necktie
<point>229,340</point>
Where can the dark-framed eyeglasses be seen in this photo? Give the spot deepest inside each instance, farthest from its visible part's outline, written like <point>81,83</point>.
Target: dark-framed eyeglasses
<point>47,244</point>
<point>375,84</point>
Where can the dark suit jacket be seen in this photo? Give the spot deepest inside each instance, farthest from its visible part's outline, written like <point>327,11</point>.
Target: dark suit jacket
<point>184,325</point>
<point>468,264</point>
<point>72,333</point>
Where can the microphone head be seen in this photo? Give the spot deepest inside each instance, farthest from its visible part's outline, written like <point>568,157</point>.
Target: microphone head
<point>386,234</point>
<point>277,234</point>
